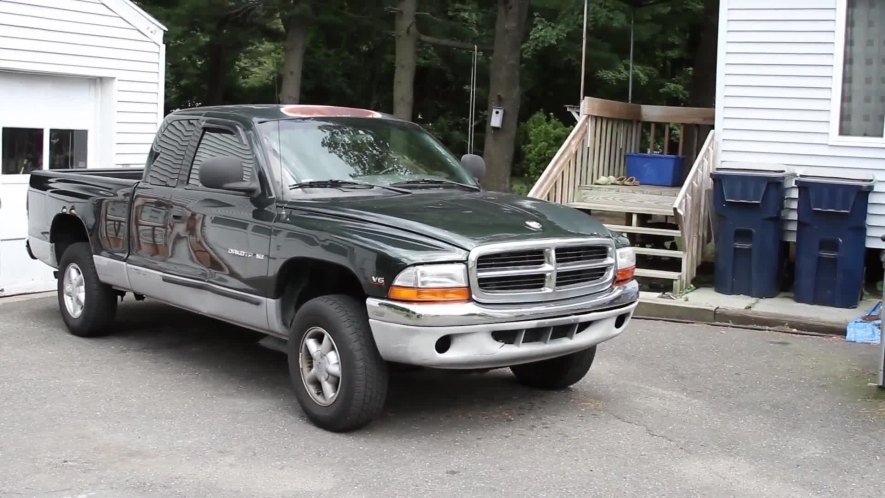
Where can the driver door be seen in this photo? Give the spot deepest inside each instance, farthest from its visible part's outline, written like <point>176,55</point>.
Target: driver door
<point>221,235</point>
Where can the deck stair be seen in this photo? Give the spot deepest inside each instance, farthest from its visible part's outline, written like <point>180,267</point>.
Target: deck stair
<point>668,226</point>
<point>656,247</point>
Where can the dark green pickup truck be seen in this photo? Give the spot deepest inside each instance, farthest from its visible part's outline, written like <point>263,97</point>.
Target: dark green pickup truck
<point>354,236</point>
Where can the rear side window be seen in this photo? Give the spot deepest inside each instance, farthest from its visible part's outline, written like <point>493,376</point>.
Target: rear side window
<point>221,143</point>
<point>168,152</point>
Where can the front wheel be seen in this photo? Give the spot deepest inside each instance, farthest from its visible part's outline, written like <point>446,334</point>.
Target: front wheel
<point>338,376</point>
<point>555,373</point>
<point>87,305</point>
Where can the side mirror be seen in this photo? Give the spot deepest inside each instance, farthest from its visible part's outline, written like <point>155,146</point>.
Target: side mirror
<point>475,165</point>
<point>226,173</point>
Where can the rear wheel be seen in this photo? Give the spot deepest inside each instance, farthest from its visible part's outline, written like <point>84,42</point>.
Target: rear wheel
<point>87,305</point>
<point>555,373</point>
<point>338,376</point>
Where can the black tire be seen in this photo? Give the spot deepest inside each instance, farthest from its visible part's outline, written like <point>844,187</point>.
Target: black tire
<point>555,373</point>
<point>362,385</point>
<point>100,302</point>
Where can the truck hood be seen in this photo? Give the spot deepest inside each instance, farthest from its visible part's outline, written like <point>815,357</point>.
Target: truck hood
<point>463,219</point>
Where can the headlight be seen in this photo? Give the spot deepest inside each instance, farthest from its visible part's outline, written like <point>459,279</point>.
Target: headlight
<point>431,283</point>
<point>626,264</point>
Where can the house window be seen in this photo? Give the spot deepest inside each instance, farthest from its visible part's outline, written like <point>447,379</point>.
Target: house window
<point>67,149</point>
<point>22,150</point>
<point>862,108</point>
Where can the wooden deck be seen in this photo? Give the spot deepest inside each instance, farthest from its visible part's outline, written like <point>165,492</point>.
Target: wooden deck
<point>639,189</point>
<point>640,199</point>
<point>668,226</point>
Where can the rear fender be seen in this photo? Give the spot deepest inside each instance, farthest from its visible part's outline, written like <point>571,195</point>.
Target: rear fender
<point>66,229</point>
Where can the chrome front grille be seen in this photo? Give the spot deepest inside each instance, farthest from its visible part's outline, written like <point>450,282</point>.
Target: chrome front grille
<point>580,253</point>
<point>534,257</point>
<point>513,282</point>
<point>576,277</point>
<point>542,270</point>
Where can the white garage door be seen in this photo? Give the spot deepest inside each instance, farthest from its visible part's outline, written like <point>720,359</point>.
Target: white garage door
<point>46,122</point>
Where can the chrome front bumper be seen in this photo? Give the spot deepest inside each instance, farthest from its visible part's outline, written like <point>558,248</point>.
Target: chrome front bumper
<point>473,335</point>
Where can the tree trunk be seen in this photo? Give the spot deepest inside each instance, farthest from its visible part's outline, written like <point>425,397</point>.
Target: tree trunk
<point>293,59</point>
<point>504,92</point>
<point>216,72</point>
<point>703,80</point>
<point>406,33</point>
<point>216,64</point>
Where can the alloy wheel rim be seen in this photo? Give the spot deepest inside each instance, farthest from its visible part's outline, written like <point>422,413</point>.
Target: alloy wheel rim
<point>320,366</point>
<point>74,290</point>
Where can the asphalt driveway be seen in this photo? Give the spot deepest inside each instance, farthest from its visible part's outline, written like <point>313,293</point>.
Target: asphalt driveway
<point>179,405</point>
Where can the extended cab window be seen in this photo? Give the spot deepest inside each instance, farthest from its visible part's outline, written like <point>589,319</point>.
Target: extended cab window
<point>168,152</point>
<point>221,143</point>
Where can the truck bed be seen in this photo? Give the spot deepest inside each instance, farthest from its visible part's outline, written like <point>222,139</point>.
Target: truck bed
<point>99,197</point>
<point>128,175</point>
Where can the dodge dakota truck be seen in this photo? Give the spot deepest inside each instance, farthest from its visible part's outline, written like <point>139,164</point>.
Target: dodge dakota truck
<point>355,237</point>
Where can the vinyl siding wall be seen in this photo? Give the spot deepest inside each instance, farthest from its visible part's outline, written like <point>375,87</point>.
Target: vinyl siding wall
<point>89,38</point>
<point>774,98</point>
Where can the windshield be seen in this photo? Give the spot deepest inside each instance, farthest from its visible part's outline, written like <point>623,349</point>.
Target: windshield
<point>366,150</point>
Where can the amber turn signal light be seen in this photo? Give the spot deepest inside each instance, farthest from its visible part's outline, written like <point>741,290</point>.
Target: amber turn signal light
<point>625,274</point>
<point>414,294</point>
<point>626,265</point>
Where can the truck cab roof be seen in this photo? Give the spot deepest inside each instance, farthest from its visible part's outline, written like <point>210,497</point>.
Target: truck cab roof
<point>272,112</point>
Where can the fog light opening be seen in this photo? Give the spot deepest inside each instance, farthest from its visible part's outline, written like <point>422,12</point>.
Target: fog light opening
<point>621,320</point>
<point>443,344</point>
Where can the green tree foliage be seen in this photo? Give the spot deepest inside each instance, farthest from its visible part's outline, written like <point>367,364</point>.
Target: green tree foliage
<point>541,136</point>
<point>665,35</point>
<point>231,51</point>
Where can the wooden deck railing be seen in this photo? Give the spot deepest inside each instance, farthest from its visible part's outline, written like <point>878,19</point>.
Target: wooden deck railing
<point>607,131</point>
<point>692,210</point>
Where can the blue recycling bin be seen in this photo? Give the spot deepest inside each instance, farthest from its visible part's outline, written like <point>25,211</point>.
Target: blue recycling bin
<point>749,249</point>
<point>831,241</point>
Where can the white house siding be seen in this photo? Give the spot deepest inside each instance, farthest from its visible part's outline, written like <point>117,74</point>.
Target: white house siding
<point>110,40</point>
<point>774,97</point>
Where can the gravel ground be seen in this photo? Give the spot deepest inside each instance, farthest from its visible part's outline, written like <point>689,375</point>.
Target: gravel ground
<point>179,405</point>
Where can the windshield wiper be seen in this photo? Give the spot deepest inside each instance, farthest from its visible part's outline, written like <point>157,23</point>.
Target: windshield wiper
<point>434,181</point>
<point>343,184</point>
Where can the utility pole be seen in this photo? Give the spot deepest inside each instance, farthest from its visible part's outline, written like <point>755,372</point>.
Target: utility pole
<point>583,56</point>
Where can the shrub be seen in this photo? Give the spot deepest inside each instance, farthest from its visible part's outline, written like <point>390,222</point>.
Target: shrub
<point>520,186</point>
<point>543,135</point>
